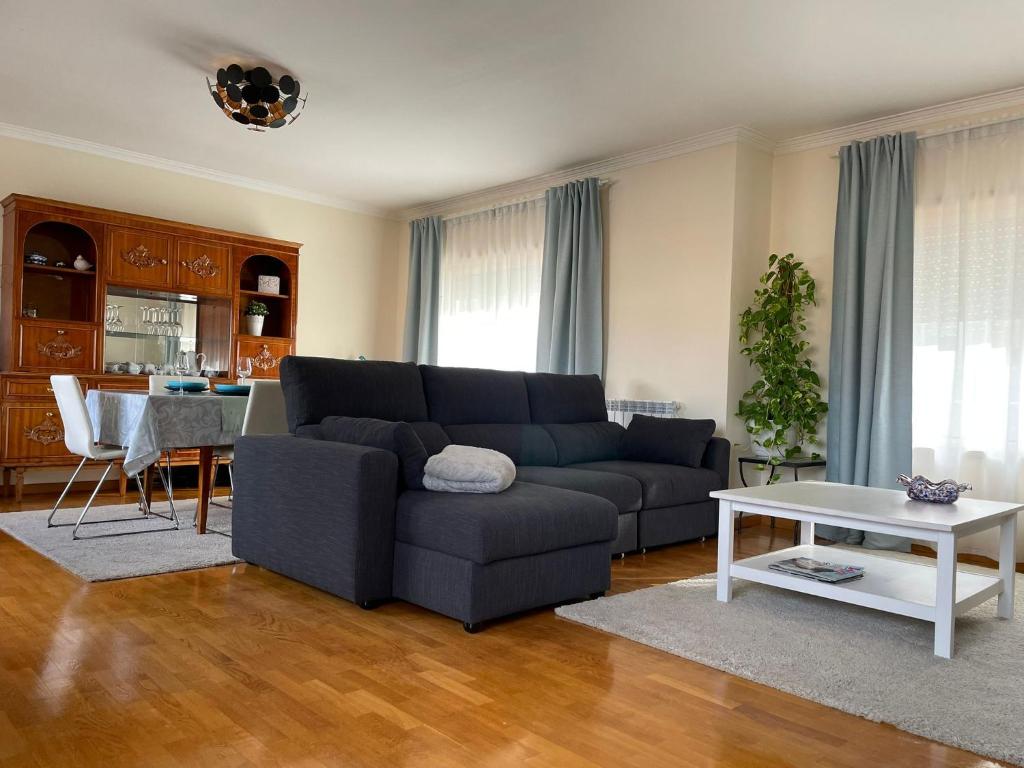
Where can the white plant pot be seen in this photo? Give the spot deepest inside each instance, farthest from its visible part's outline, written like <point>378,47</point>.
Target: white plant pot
<point>254,324</point>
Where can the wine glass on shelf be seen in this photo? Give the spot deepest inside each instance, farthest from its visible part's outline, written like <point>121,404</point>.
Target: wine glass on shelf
<point>244,368</point>
<point>181,368</point>
<point>147,319</point>
<point>116,323</point>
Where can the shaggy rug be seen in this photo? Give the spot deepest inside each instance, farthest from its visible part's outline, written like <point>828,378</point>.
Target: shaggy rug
<point>147,548</point>
<point>876,665</point>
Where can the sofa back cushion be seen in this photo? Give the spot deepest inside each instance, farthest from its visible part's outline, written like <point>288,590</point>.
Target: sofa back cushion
<point>431,434</point>
<point>593,441</point>
<point>667,441</point>
<point>557,398</point>
<point>316,387</point>
<point>528,445</point>
<point>475,396</point>
<point>395,436</point>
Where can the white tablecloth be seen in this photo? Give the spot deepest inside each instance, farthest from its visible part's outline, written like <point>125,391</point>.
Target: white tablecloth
<point>150,424</point>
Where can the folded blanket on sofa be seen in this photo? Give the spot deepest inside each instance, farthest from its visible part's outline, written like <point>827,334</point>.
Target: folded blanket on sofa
<point>466,469</point>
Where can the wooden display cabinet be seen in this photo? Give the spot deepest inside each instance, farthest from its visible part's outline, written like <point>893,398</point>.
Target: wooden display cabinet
<point>52,315</point>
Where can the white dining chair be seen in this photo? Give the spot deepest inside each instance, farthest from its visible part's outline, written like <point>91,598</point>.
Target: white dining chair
<point>158,382</point>
<point>264,415</point>
<point>80,439</point>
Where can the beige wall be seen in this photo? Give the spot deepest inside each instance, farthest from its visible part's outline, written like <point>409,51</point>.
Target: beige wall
<point>669,250</point>
<point>346,266</point>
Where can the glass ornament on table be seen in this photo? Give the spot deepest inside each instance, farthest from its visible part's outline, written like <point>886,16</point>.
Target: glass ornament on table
<point>181,368</point>
<point>244,368</point>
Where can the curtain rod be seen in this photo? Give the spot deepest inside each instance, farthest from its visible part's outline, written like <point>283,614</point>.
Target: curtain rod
<point>957,128</point>
<point>510,202</point>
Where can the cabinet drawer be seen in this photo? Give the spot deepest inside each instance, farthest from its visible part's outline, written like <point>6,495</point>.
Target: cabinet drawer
<point>33,432</point>
<point>266,355</point>
<point>138,257</point>
<point>202,268</point>
<point>30,389</point>
<point>52,346</point>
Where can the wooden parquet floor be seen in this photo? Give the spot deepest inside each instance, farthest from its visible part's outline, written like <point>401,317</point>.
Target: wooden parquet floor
<point>236,666</point>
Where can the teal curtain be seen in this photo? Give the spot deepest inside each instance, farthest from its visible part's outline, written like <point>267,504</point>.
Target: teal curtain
<point>426,237</point>
<point>869,421</point>
<point>570,335</point>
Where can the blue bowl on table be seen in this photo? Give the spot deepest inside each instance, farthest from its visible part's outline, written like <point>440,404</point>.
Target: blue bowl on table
<point>233,389</point>
<point>185,386</point>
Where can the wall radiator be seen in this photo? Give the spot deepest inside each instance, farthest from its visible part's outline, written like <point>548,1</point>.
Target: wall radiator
<point>622,411</point>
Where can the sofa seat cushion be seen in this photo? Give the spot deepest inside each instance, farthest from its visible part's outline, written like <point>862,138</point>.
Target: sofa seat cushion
<point>621,490</point>
<point>664,485</point>
<point>524,520</point>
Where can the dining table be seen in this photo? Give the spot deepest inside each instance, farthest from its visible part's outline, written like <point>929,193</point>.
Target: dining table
<point>147,425</point>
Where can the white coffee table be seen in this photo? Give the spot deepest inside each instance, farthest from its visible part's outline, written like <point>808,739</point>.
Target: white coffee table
<point>936,593</point>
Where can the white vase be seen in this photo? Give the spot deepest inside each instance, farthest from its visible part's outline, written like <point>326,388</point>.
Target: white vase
<point>254,324</point>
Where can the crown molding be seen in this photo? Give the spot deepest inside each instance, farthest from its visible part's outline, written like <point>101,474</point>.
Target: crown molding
<point>209,174</point>
<point>515,190</point>
<point>903,121</point>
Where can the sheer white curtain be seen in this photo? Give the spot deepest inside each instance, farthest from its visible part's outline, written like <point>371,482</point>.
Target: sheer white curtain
<point>490,288</point>
<point>969,314</point>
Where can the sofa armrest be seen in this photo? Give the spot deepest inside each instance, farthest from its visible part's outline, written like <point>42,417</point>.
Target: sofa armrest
<point>320,512</point>
<point>716,457</point>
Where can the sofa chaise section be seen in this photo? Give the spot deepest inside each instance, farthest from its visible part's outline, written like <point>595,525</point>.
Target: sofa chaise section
<point>476,557</point>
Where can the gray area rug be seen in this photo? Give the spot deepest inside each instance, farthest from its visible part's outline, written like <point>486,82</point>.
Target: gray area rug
<point>876,665</point>
<point>123,557</point>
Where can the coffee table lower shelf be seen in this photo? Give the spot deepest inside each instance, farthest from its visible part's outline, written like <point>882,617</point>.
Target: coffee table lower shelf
<point>890,585</point>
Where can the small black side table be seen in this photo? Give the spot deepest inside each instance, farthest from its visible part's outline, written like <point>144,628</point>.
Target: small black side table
<point>801,462</point>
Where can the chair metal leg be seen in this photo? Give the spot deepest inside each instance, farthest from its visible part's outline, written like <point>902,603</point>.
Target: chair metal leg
<point>231,479</point>
<point>166,482</point>
<point>143,503</point>
<point>49,520</point>
<point>96,490</point>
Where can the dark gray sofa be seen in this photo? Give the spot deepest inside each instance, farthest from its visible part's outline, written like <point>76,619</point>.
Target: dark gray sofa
<point>337,516</point>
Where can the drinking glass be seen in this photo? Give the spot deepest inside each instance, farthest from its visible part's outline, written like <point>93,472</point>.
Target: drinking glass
<point>181,368</point>
<point>244,368</point>
<point>116,323</point>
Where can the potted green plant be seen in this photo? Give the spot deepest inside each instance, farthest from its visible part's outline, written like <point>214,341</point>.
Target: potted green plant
<point>783,408</point>
<point>255,311</point>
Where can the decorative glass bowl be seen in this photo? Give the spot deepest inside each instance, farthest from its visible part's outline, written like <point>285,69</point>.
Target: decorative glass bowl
<point>920,488</point>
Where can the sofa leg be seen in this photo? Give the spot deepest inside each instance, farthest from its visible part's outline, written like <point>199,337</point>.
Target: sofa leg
<point>471,627</point>
<point>369,605</point>
<point>643,550</point>
<point>595,595</point>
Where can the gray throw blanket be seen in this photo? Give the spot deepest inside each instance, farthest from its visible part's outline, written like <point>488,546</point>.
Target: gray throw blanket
<point>466,469</point>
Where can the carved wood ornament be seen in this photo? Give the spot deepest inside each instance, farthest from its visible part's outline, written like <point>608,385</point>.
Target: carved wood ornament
<point>201,266</point>
<point>45,432</point>
<point>59,348</point>
<point>141,257</point>
<point>264,360</point>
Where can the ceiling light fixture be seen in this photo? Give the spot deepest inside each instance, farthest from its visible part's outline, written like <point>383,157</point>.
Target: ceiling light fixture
<point>252,97</point>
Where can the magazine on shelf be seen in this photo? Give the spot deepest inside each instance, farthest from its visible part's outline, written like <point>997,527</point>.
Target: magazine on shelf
<point>831,573</point>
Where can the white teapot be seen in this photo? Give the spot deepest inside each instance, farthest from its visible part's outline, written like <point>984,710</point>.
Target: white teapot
<point>81,263</point>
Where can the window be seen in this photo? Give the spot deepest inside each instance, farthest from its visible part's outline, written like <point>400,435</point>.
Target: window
<point>490,288</point>
<point>969,310</point>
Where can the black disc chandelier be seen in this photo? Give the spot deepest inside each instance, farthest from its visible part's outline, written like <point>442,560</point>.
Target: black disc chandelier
<point>254,99</point>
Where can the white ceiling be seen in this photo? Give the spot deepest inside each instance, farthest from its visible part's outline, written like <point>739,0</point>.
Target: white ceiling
<point>418,100</point>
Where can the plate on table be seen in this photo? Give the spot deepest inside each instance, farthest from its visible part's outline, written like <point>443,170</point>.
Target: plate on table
<point>233,389</point>
<point>185,386</point>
